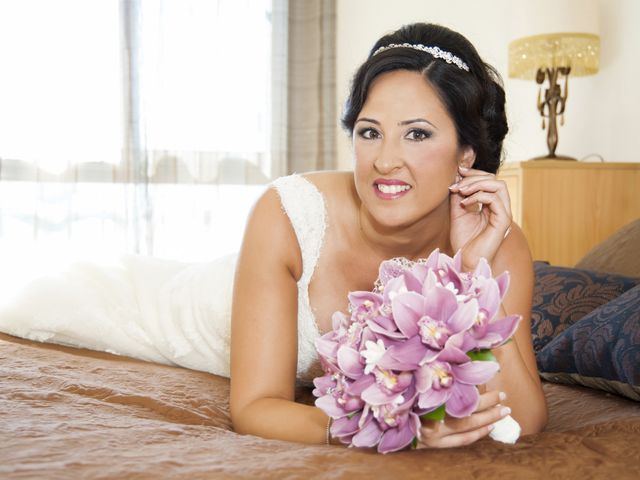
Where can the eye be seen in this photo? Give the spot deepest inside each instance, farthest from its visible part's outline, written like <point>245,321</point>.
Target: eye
<point>418,134</point>
<point>368,133</point>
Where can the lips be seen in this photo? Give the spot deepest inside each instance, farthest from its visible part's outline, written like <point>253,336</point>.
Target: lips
<point>389,189</point>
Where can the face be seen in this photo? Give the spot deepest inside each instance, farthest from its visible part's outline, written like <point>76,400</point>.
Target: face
<point>406,150</point>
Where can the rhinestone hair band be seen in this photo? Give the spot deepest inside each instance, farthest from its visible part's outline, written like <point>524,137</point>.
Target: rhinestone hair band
<point>436,52</point>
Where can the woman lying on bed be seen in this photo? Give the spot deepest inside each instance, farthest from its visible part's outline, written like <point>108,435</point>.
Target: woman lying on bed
<point>427,120</point>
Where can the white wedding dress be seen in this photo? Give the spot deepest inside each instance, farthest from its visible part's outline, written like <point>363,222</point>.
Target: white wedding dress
<point>164,311</point>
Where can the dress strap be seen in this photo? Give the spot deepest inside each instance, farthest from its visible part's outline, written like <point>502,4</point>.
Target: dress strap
<point>304,205</point>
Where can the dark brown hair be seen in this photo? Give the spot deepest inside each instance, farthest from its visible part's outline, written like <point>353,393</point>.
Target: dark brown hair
<point>474,99</point>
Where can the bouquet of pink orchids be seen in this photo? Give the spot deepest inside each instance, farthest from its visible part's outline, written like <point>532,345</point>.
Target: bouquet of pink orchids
<point>416,346</point>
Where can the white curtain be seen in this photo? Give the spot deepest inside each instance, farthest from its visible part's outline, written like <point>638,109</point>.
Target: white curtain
<point>151,126</point>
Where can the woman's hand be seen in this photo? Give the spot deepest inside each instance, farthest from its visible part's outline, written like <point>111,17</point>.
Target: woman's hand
<point>480,215</point>
<point>456,432</point>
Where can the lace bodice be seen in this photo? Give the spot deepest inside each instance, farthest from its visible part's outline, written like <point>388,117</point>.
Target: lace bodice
<point>304,205</point>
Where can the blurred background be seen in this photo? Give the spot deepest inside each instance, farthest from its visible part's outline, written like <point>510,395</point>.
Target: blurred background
<point>151,126</point>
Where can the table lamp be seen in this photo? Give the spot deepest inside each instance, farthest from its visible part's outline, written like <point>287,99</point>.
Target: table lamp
<point>555,39</point>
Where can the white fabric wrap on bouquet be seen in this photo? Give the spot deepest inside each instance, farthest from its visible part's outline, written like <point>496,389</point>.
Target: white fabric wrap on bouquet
<point>506,430</point>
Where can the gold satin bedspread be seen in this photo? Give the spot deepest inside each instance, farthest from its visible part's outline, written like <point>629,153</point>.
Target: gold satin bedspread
<point>71,413</point>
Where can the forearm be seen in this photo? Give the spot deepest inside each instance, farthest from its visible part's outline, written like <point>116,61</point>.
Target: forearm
<point>283,420</point>
<point>524,394</point>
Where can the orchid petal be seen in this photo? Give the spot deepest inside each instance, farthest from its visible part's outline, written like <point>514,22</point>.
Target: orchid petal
<point>338,319</point>
<point>326,348</point>
<point>374,395</point>
<point>404,356</point>
<point>482,269</point>
<point>503,283</point>
<point>464,317</point>
<point>420,271</point>
<point>432,399</point>
<point>380,330</point>
<point>361,384</point>
<point>358,298</point>
<point>395,439</point>
<point>407,309</point>
<point>322,384</point>
<point>345,426</point>
<point>463,401</point>
<point>349,362</point>
<point>475,372</point>
<point>330,406</point>
<point>430,282</point>
<point>411,282</point>
<point>424,378</point>
<point>383,322</point>
<point>505,327</point>
<point>452,354</point>
<point>368,436</point>
<point>433,260</point>
<point>440,303</point>
<point>489,299</point>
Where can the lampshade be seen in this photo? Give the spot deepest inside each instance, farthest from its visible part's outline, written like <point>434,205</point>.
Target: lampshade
<point>554,33</point>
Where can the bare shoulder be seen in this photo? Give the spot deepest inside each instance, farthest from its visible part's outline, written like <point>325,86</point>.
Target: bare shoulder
<point>514,252</point>
<point>269,235</point>
<point>514,257</point>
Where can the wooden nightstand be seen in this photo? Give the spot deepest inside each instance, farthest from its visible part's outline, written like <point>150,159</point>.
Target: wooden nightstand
<point>565,208</point>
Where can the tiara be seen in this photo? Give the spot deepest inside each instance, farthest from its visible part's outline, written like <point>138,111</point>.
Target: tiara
<point>436,52</point>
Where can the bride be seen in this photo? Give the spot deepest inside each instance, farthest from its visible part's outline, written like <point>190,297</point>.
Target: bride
<point>427,120</point>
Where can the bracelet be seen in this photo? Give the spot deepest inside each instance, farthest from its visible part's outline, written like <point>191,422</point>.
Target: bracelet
<point>328,431</point>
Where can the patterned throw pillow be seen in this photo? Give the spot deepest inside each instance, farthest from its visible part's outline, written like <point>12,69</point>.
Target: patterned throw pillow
<point>602,350</point>
<point>564,295</point>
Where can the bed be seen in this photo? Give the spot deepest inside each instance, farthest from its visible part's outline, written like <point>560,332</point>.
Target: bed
<point>73,413</point>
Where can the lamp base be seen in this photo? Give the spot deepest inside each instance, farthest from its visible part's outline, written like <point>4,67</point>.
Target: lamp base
<point>554,157</point>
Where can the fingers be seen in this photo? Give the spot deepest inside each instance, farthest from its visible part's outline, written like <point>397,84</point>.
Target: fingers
<point>490,399</point>
<point>472,181</point>
<point>498,208</point>
<point>476,188</point>
<point>457,439</point>
<point>454,432</point>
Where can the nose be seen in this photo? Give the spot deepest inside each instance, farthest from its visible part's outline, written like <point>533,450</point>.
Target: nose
<point>389,157</point>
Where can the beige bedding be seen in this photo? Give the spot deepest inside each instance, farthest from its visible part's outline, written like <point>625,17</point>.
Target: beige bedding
<point>70,413</point>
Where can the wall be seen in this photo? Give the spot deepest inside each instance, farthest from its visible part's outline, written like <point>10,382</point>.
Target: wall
<point>603,111</point>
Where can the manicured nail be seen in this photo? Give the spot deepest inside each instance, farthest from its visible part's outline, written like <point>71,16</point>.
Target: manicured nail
<point>505,411</point>
<point>502,395</point>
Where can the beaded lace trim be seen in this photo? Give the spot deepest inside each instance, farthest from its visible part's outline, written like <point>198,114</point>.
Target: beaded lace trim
<point>304,205</point>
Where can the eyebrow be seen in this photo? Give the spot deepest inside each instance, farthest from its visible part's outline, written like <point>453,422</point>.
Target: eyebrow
<point>404,122</point>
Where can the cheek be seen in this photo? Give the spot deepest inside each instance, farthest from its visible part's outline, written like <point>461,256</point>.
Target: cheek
<point>362,159</point>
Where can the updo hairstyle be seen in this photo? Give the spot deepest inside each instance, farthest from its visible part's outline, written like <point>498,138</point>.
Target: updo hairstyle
<point>475,99</point>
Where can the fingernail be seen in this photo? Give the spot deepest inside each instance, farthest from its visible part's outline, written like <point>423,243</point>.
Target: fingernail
<point>505,411</point>
<point>463,169</point>
<point>490,427</point>
<point>453,186</point>
<point>502,395</point>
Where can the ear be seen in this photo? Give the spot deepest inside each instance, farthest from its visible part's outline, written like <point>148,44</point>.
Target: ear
<point>468,157</point>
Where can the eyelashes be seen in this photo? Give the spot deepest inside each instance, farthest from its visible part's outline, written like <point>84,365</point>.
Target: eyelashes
<point>419,134</point>
<point>415,134</point>
<point>368,133</point>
